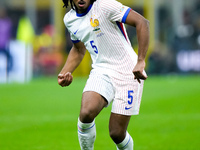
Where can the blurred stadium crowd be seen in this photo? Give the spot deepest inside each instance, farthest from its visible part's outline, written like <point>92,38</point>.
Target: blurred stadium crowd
<point>174,46</point>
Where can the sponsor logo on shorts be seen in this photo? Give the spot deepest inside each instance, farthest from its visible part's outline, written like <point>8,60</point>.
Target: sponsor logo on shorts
<point>127,108</point>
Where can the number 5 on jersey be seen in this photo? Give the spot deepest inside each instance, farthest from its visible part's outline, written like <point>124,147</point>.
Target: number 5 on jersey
<point>94,47</point>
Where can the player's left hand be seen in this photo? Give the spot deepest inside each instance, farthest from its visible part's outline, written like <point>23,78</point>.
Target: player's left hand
<point>139,72</point>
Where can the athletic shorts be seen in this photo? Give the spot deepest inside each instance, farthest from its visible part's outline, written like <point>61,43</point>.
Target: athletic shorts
<point>124,93</point>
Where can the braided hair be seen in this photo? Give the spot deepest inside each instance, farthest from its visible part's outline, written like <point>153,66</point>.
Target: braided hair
<point>66,3</point>
<point>72,4</point>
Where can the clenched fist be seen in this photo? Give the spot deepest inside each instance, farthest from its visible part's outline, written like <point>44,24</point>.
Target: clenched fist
<point>65,79</point>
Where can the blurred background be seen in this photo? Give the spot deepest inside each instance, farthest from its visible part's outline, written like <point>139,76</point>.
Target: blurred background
<point>34,41</point>
<point>41,115</point>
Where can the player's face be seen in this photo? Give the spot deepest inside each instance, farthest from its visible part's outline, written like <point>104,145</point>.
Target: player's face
<point>81,5</point>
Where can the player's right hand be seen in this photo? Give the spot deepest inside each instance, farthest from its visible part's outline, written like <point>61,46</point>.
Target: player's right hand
<point>65,79</point>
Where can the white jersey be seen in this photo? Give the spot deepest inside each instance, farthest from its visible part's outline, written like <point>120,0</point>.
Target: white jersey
<point>102,31</point>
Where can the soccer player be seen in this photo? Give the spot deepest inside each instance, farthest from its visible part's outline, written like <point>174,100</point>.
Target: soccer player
<point>117,73</point>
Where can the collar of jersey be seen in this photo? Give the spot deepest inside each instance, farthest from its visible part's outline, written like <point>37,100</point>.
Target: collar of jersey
<point>83,14</point>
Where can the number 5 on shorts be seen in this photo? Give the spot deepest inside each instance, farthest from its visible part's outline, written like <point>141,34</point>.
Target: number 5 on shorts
<point>130,97</point>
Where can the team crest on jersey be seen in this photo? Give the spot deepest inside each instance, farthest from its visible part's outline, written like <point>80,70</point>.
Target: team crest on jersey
<point>95,24</point>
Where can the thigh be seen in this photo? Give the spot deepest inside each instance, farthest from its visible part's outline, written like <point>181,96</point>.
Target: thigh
<point>91,105</point>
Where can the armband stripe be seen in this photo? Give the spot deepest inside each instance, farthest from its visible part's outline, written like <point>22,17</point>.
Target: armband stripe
<point>125,15</point>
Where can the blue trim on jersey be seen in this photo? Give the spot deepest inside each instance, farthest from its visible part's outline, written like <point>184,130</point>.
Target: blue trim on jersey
<point>75,41</point>
<point>125,15</point>
<point>83,14</point>
<point>119,24</point>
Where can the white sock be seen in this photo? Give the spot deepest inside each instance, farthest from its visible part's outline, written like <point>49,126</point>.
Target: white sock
<point>86,135</point>
<point>126,144</point>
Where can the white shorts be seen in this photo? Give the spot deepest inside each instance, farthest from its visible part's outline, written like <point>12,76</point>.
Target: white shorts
<point>125,93</point>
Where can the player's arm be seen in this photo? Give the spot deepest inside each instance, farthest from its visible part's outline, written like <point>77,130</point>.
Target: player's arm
<point>74,58</point>
<point>142,29</point>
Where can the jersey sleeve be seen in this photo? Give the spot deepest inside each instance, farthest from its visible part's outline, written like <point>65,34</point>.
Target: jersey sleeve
<point>114,10</point>
<point>74,39</point>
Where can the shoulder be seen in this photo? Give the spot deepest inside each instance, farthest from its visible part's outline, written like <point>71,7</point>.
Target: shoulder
<point>108,3</point>
<point>110,6</point>
<point>69,16</point>
<point>102,4</point>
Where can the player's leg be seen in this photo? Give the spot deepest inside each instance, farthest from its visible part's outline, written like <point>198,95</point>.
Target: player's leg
<point>125,104</point>
<point>118,131</point>
<point>91,105</point>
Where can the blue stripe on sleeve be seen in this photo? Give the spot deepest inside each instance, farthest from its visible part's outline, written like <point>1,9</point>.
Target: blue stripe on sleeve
<point>125,15</point>
<point>75,41</point>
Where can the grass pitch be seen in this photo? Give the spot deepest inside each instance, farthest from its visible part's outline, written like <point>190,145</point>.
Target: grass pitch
<point>41,115</point>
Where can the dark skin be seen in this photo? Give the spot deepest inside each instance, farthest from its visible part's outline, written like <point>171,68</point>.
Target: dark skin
<point>81,5</point>
<point>92,102</point>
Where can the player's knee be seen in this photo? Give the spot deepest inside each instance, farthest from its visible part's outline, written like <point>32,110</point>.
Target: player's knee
<point>117,134</point>
<point>86,115</point>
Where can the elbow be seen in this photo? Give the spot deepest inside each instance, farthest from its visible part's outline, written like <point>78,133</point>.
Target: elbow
<point>146,23</point>
<point>143,23</point>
